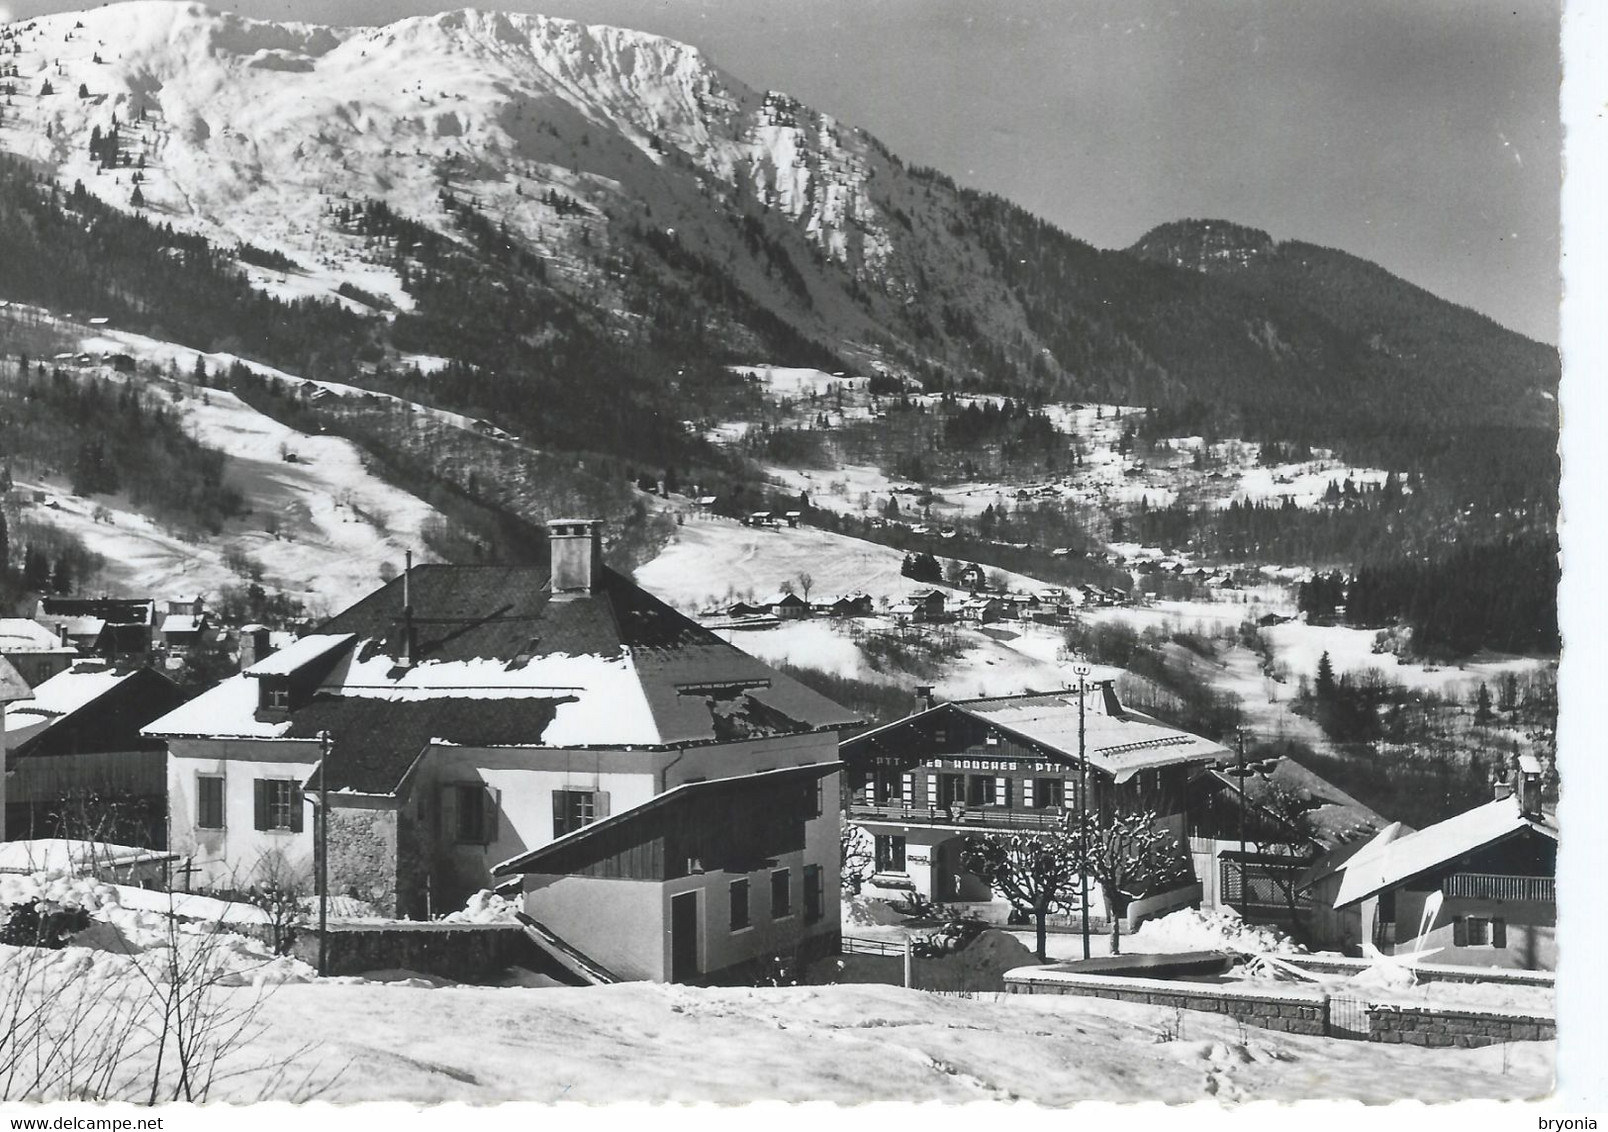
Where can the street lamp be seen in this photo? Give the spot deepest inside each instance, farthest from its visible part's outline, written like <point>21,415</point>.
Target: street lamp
<point>1081,670</point>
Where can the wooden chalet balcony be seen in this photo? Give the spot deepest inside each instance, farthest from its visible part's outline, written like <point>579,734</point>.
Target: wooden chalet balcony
<point>982,817</point>
<point>1499,886</point>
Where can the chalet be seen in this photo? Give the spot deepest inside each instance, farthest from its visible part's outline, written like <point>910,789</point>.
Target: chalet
<point>983,610</point>
<point>760,519</point>
<point>920,786</point>
<point>928,604</point>
<point>786,606</point>
<point>77,764</point>
<point>792,517</point>
<point>1254,836</point>
<point>747,609</point>
<point>182,625</point>
<point>1476,889</point>
<point>856,604</point>
<point>972,577</point>
<point>462,716</point>
<point>34,651</point>
<point>117,629</point>
<point>700,883</point>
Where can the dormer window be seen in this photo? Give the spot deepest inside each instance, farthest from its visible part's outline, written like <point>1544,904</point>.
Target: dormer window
<point>273,698</point>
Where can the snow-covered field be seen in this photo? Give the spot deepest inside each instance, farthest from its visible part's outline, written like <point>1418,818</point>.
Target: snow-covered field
<point>996,663</point>
<point>843,1044</point>
<point>1300,646</point>
<point>712,559</point>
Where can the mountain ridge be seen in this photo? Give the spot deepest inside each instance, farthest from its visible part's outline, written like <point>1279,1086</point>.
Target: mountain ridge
<point>682,213</point>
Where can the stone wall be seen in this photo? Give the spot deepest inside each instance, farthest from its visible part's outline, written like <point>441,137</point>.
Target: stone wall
<point>1291,1012</point>
<point>1426,972</point>
<point>1411,1025</point>
<point>464,952</point>
<point>362,855</point>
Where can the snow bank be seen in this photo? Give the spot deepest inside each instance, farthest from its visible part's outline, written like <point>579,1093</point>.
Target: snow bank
<point>484,907</point>
<point>1191,929</point>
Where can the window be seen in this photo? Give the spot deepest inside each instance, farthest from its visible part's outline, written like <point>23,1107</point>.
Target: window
<point>278,804</point>
<point>888,786</point>
<point>814,904</point>
<point>274,693</point>
<point>781,893</point>
<point>209,801</point>
<point>890,853</point>
<point>477,813</point>
<point>739,905</point>
<point>980,790</point>
<point>1479,931</point>
<point>1049,793</point>
<point>951,789</point>
<point>572,809</point>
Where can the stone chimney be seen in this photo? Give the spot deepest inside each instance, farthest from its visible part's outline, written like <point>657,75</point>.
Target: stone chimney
<point>576,547</point>
<point>925,700</point>
<point>254,645</point>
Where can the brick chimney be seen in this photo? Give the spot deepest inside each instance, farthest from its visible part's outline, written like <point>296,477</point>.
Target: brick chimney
<point>1527,785</point>
<point>576,547</point>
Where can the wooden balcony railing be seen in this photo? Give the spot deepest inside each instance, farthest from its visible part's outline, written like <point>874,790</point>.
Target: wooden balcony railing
<point>1499,886</point>
<point>988,817</point>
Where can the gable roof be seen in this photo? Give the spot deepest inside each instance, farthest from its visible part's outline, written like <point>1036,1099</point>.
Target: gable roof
<point>688,793</point>
<point>1117,741</point>
<point>498,661</point>
<point>1335,818</point>
<point>112,704</point>
<point>1391,863</point>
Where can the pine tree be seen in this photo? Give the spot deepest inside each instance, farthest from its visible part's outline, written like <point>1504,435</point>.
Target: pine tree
<point>46,90</point>
<point>138,199</point>
<point>83,90</point>
<point>1323,686</point>
<point>1482,710</point>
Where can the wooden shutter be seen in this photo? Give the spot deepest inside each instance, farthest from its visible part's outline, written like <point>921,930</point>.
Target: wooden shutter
<point>488,832</point>
<point>449,814</point>
<point>1069,795</point>
<point>259,798</point>
<point>600,804</point>
<point>558,812</point>
<point>1460,932</point>
<point>1498,933</point>
<point>297,801</point>
<point>932,790</point>
<point>907,788</point>
<point>1002,791</point>
<point>1027,793</point>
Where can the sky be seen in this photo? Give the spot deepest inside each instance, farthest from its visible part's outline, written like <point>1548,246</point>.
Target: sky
<point>1422,134</point>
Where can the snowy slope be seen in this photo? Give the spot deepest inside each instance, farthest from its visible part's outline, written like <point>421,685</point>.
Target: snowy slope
<point>319,529</point>
<point>253,130</point>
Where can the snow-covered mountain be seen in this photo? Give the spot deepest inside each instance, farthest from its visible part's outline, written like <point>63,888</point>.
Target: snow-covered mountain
<point>675,208</point>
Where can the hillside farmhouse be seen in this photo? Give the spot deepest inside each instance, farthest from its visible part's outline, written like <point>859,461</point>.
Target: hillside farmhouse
<point>463,716</point>
<point>35,651</point>
<point>924,784</point>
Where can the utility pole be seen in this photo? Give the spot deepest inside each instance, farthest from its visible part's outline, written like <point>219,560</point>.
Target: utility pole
<point>1082,670</point>
<point>1245,879</point>
<point>324,745</point>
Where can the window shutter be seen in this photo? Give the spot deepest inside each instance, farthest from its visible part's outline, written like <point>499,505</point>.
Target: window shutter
<point>298,800</point>
<point>1002,791</point>
<point>1069,800</point>
<point>600,804</point>
<point>1460,932</point>
<point>1027,793</point>
<point>907,788</point>
<point>259,798</point>
<point>932,790</point>
<point>449,814</point>
<point>493,801</point>
<point>1498,933</point>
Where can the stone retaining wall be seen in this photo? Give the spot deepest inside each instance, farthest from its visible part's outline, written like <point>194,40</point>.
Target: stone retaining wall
<point>464,952</point>
<point>1414,1025</point>
<point>1291,1012</point>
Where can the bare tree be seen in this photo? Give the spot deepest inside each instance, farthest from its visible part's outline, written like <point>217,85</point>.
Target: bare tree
<point>1128,856</point>
<point>1037,872</point>
<point>806,582</point>
<point>858,856</point>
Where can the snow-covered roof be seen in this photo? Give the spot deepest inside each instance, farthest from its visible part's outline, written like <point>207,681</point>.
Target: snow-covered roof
<point>65,693</point>
<point>1391,863</point>
<point>292,658</point>
<point>12,686</point>
<point>1120,743</point>
<point>184,623</point>
<point>54,854</point>
<point>497,662</point>
<point>24,634</point>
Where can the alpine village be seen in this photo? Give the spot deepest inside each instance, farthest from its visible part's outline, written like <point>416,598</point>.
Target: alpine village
<point>512,540</point>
